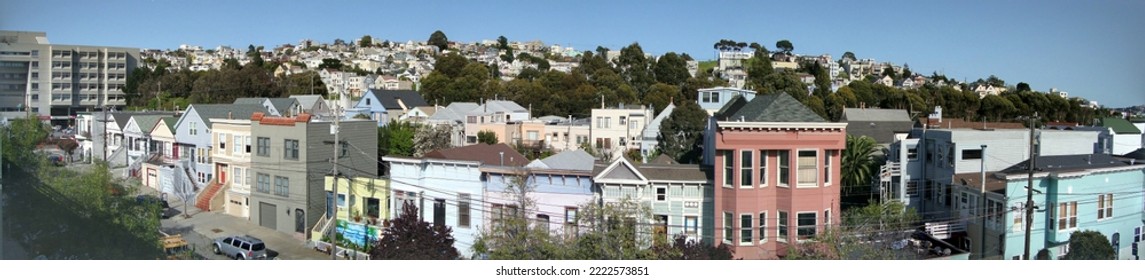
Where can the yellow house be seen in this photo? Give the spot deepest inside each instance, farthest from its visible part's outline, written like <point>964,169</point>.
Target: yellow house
<point>362,208</point>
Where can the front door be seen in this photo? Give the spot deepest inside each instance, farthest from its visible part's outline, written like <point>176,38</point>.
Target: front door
<point>222,170</point>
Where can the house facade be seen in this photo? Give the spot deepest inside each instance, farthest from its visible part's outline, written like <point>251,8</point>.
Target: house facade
<point>712,99</point>
<point>678,196</point>
<point>290,161</point>
<point>232,162</point>
<point>559,186</point>
<point>1073,193</point>
<point>617,130</point>
<point>193,134</point>
<point>776,167</point>
<point>650,137</point>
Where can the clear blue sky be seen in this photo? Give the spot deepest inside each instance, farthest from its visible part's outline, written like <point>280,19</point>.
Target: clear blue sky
<point>1092,49</point>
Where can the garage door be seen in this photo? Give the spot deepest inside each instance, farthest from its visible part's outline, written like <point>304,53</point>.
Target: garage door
<point>268,215</point>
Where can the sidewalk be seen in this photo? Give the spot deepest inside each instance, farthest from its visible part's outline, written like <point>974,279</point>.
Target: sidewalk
<point>216,224</point>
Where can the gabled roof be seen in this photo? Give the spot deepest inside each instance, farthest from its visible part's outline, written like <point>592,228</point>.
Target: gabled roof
<point>283,104</point>
<point>776,107</point>
<point>249,100</point>
<point>663,160</point>
<point>307,100</point>
<point>570,160</point>
<point>170,122</point>
<point>484,153</point>
<point>1138,154</point>
<point>121,118</point>
<point>146,122</point>
<point>221,111</point>
<point>455,111</point>
<point>674,172</point>
<point>428,110</point>
<point>875,115</point>
<point>620,170</point>
<point>493,106</point>
<point>1119,125</point>
<point>389,98</point>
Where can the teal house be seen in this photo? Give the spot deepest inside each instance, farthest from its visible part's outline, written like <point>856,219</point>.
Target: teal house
<point>1072,193</point>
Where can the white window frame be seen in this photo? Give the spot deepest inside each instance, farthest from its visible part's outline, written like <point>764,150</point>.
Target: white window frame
<point>814,226</point>
<point>729,232</point>
<point>763,167</point>
<point>237,145</point>
<point>729,168</point>
<point>1069,217</point>
<point>782,226</point>
<point>780,157</point>
<point>664,196</point>
<point>827,218</point>
<point>762,227</point>
<point>1104,206</point>
<point>799,184</point>
<point>827,155</point>
<point>750,168</point>
<point>692,229</point>
<point>749,228</point>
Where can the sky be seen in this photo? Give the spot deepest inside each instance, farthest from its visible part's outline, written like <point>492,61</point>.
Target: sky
<point>1091,49</point>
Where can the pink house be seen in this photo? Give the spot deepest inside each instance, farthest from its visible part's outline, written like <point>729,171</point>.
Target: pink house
<point>776,174</point>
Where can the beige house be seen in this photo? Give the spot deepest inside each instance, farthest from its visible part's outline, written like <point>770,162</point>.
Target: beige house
<point>232,164</point>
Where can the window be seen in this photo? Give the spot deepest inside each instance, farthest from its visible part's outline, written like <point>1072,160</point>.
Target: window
<point>762,227</point>
<point>263,184</point>
<point>238,145</point>
<point>1104,206</point>
<point>439,212</point>
<point>634,124</point>
<point>806,226</point>
<point>728,220</point>
<point>543,222</point>
<point>1018,227</point>
<point>531,135</point>
<point>807,169</point>
<point>745,171</point>
<point>827,217</point>
<point>463,210</point>
<point>745,229</point>
<point>290,149</point>
<point>1067,215</point>
<point>570,215</point>
<point>246,141</point>
<point>691,226</point>
<point>599,122</point>
<point>912,154</point>
<point>729,164</point>
<point>623,120</point>
<point>661,194</point>
<point>282,186</point>
<point>972,154</point>
<point>763,168</point>
<point>784,169</point>
<point>607,122</point>
<point>912,188</point>
<point>263,146</point>
<point>782,228</point>
<point>194,128</point>
<point>715,97</point>
<point>827,167</point>
<point>238,176</point>
<point>660,228</point>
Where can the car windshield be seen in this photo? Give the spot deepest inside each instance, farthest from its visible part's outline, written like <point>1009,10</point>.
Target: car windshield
<point>259,247</point>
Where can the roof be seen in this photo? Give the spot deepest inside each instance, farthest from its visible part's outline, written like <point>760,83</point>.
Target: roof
<point>570,160</point>
<point>1137,154</point>
<point>170,122</point>
<point>146,122</point>
<point>656,172</point>
<point>875,115</point>
<point>974,179</point>
<point>1066,163</point>
<point>1119,125</point>
<point>777,107</point>
<point>222,111</point>
<point>249,100</point>
<point>121,118</point>
<point>389,98</point>
<point>428,110</point>
<point>484,153</point>
<point>950,123</point>
<point>882,132</point>
<point>308,100</point>
<point>455,111</point>
<point>493,106</point>
<point>282,104</point>
<point>662,160</point>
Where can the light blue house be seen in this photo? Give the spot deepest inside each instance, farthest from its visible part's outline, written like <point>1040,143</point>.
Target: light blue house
<point>1072,193</point>
<point>193,134</point>
<point>446,187</point>
<point>383,105</point>
<point>712,99</point>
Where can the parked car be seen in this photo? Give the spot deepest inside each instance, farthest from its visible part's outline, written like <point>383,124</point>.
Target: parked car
<point>164,207</point>
<point>243,247</point>
<point>57,159</point>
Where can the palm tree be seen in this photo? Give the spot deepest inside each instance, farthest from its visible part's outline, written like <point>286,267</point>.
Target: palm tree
<point>858,164</point>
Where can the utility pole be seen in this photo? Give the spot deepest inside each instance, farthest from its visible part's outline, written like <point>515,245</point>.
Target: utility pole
<point>104,121</point>
<point>981,210</point>
<point>337,149</point>
<point>1030,189</point>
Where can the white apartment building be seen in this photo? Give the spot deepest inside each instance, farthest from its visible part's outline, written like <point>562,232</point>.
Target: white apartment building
<point>617,130</point>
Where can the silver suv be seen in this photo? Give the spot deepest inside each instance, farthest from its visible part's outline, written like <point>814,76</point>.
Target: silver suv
<point>244,247</point>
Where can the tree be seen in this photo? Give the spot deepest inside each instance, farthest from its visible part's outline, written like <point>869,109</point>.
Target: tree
<point>487,137</point>
<point>396,138</point>
<point>681,134</point>
<point>995,106</point>
<point>850,55</point>
<point>785,46</point>
<point>438,39</point>
<point>366,41</point>
<point>430,138</point>
<point>759,66</point>
<point>68,145</point>
<point>1023,86</point>
<point>331,63</point>
<point>410,238</point>
<point>1089,245</point>
<point>502,43</point>
<point>671,69</point>
<point>516,236</point>
<point>858,166</point>
<point>867,233</point>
